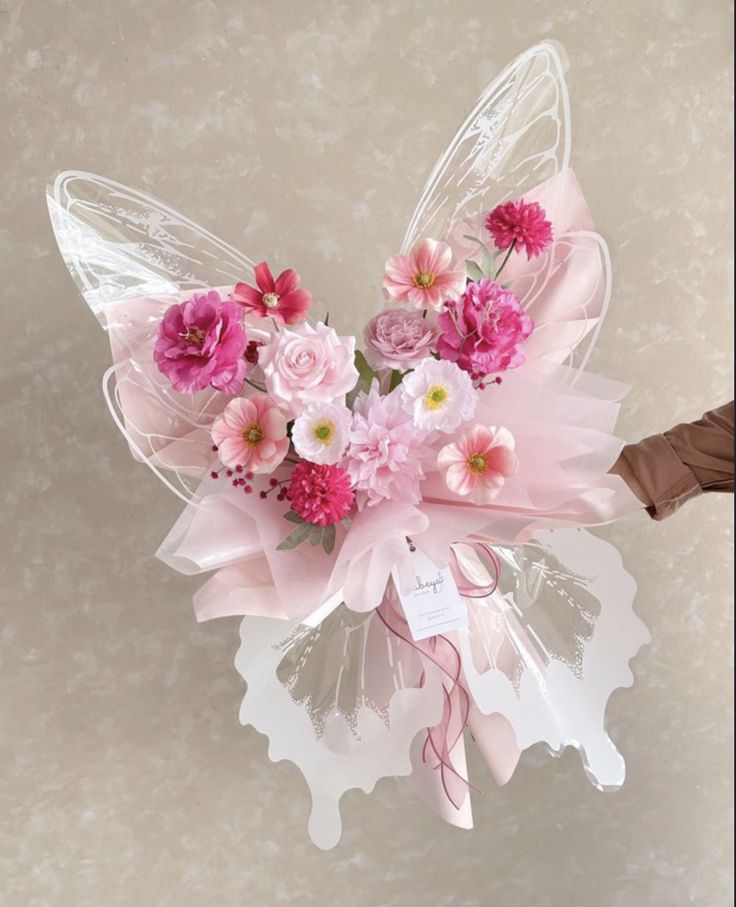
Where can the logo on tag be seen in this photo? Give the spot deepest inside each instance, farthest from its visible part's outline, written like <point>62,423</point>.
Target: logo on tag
<point>433,605</point>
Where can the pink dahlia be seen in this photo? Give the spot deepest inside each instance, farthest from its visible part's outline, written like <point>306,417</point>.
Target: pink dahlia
<point>385,453</point>
<point>251,432</point>
<point>477,465</point>
<point>483,330</point>
<point>521,224</point>
<point>278,298</point>
<point>201,342</point>
<point>320,495</point>
<point>424,277</point>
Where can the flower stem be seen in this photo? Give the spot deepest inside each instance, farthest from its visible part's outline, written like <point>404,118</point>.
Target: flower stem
<point>258,387</point>
<point>506,258</point>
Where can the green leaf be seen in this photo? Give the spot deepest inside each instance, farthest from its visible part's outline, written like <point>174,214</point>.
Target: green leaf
<point>489,261</point>
<point>396,379</point>
<point>475,272</point>
<point>328,539</point>
<point>293,517</point>
<point>295,537</point>
<point>315,535</point>
<point>365,372</point>
<point>346,522</point>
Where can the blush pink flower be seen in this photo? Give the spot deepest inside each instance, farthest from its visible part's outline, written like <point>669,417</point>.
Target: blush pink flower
<point>251,432</point>
<point>278,298</point>
<point>202,342</point>
<point>482,332</point>
<point>398,339</point>
<point>425,277</point>
<point>310,365</point>
<point>320,494</point>
<point>524,225</point>
<point>386,452</point>
<point>477,465</point>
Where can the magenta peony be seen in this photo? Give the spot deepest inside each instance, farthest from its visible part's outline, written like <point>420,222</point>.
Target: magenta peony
<point>524,224</point>
<point>320,494</point>
<point>278,298</point>
<point>483,330</point>
<point>398,339</point>
<point>201,342</point>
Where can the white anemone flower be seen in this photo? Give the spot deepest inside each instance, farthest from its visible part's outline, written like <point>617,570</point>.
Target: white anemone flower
<point>320,434</point>
<point>439,395</point>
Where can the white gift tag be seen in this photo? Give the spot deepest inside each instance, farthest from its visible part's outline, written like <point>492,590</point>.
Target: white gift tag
<point>434,605</point>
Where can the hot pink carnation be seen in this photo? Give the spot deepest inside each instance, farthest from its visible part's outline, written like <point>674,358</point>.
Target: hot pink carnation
<point>398,339</point>
<point>278,298</point>
<point>483,330</point>
<point>320,494</point>
<point>201,342</point>
<point>424,277</point>
<point>520,223</point>
<point>386,451</point>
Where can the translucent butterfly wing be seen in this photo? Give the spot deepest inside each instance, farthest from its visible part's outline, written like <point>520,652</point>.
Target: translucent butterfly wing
<point>517,136</point>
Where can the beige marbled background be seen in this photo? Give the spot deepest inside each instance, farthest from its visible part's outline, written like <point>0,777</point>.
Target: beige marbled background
<point>304,131</point>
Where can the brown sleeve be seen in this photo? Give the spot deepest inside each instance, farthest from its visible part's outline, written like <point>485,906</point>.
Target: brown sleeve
<point>685,461</point>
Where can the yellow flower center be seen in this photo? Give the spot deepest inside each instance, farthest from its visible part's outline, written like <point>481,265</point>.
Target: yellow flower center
<point>423,279</point>
<point>436,396</point>
<point>253,434</point>
<point>477,463</point>
<point>323,431</point>
<point>270,300</point>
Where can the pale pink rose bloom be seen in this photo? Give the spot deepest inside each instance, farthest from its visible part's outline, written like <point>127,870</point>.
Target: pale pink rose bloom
<point>311,365</point>
<point>251,432</point>
<point>477,464</point>
<point>398,339</point>
<point>425,277</point>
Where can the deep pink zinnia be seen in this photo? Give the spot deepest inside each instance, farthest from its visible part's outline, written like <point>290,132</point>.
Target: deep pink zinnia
<point>320,494</point>
<point>523,224</point>
<point>201,342</point>
<point>482,332</point>
<point>278,298</point>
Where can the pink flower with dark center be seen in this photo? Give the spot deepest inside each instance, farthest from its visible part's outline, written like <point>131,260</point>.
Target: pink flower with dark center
<point>278,298</point>
<point>482,332</point>
<point>251,432</point>
<point>320,494</point>
<point>477,465</point>
<point>523,224</point>
<point>425,277</point>
<point>201,342</point>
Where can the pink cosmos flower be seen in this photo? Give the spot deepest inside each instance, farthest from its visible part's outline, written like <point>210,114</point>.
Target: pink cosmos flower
<point>308,365</point>
<point>280,298</point>
<point>424,277</point>
<point>385,454</point>
<point>483,330</point>
<point>201,342</point>
<point>320,494</point>
<point>477,465</point>
<point>251,432</point>
<point>398,339</point>
<point>524,224</point>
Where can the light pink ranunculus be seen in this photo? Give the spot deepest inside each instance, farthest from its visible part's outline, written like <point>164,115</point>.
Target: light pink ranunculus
<point>311,365</point>
<point>398,339</point>
<point>251,432</point>
<point>425,277</point>
<point>202,342</point>
<point>478,463</point>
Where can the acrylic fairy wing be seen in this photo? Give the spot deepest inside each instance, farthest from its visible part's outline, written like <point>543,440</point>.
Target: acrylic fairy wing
<point>343,700</point>
<point>553,642</point>
<point>132,257</point>
<point>516,137</point>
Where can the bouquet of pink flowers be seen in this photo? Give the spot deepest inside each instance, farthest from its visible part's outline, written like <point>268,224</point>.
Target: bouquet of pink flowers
<point>397,519</point>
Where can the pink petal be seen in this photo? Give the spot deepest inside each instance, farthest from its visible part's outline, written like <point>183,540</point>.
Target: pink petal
<point>287,281</point>
<point>264,278</point>
<point>231,451</point>
<point>459,479</point>
<point>294,305</point>
<point>247,295</point>
<point>503,461</point>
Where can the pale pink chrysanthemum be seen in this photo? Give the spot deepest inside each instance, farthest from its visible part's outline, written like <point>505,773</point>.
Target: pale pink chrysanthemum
<point>386,452</point>
<point>477,465</point>
<point>425,277</point>
<point>522,223</point>
<point>251,432</point>
<point>320,494</point>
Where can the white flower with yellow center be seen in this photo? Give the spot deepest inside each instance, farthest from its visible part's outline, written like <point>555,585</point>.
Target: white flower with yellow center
<point>439,395</point>
<point>320,433</point>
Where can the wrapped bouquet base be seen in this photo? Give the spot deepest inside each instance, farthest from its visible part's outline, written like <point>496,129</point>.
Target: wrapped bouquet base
<point>400,528</point>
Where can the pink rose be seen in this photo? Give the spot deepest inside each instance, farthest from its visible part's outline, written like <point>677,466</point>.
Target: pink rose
<point>311,365</point>
<point>201,342</point>
<point>398,339</point>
